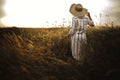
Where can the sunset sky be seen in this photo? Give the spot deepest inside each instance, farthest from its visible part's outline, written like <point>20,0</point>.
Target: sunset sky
<point>46,13</point>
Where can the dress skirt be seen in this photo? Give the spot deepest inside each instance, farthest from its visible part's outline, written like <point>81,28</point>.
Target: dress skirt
<point>78,45</point>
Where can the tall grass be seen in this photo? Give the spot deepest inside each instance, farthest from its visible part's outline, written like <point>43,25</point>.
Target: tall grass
<point>45,54</point>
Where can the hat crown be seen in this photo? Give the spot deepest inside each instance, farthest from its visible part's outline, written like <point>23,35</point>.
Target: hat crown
<point>77,10</point>
<point>78,7</point>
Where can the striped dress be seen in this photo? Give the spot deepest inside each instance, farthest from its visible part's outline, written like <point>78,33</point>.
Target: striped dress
<point>78,36</point>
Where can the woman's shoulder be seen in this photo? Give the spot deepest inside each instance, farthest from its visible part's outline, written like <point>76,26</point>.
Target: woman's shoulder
<point>84,17</point>
<point>74,17</point>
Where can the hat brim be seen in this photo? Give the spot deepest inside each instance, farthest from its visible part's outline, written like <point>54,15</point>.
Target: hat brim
<point>78,13</point>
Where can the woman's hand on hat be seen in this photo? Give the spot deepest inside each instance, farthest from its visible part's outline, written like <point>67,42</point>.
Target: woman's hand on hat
<point>88,13</point>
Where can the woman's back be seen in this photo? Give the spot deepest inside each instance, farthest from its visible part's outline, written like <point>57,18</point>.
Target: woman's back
<point>80,24</point>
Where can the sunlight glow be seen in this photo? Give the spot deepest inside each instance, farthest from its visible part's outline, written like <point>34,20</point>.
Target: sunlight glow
<point>44,13</point>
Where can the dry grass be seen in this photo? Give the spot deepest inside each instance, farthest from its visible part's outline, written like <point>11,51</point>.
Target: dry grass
<point>45,54</point>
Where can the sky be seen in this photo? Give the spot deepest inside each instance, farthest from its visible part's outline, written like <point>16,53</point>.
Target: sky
<point>47,13</point>
<point>113,12</point>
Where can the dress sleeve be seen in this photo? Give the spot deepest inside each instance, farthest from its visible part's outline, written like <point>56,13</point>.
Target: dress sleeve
<point>90,22</point>
<point>72,29</point>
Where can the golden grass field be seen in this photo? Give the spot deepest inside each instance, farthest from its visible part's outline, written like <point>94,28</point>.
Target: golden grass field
<point>45,54</point>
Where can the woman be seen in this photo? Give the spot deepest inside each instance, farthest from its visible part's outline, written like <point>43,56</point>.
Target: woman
<point>81,18</point>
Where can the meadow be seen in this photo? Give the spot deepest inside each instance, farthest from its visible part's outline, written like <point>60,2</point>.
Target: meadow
<point>45,54</point>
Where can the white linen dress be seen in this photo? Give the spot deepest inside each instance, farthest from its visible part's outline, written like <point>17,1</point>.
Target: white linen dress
<point>78,36</point>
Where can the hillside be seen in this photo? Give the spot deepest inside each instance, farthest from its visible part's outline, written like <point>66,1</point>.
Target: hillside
<point>45,54</point>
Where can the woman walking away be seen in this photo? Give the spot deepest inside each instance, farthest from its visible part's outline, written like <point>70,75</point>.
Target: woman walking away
<point>81,18</point>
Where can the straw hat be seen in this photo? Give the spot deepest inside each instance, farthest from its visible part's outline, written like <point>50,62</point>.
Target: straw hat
<point>77,10</point>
